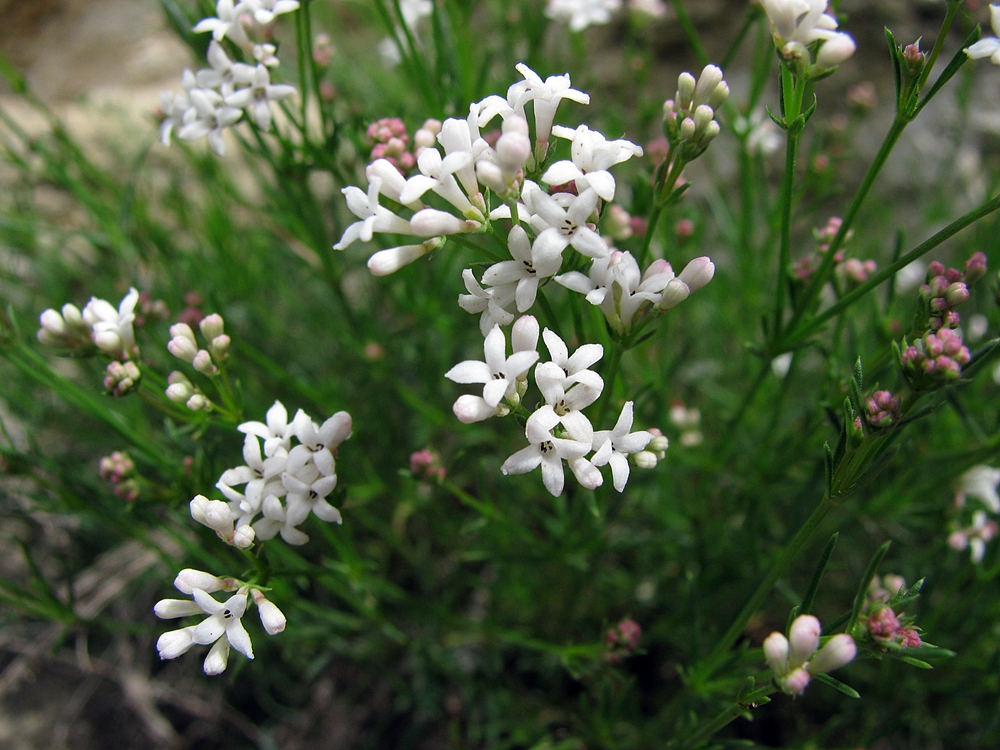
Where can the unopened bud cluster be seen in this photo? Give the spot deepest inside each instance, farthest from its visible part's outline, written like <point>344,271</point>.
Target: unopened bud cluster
<point>99,325</point>
<point>935,359</point>
<point>122,377</point>
<point>882,409</point>
<point>622,640</point>
<point>886,628</point>
<point>689,118</point>
<point>180,390</point>
<point>947,288</point>
<point>184,345</point>
<point>795,660</point>
<point>119,469</point>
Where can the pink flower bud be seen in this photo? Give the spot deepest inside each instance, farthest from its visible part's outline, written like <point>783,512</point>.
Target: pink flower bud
<point>796,682</point>
<point>697,273</point>
<point>776,653</point>
<point>183,348</point>
<point>212,326</point>
<point>975,268</point>
<point>202,362</point>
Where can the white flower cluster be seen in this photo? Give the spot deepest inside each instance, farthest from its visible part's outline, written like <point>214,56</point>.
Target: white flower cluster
<point>100,325</point>
<point>224,618</point>
<point>579,14</point>
<point>557,430</point>
<point>282,484</point>
<point>799,24</point>
<point>988,46</point>
<point>980,483</point>
<point>215,98</point>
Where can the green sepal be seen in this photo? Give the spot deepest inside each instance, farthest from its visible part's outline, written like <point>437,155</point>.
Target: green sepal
<point>838,685</point>
<point>779,121</point>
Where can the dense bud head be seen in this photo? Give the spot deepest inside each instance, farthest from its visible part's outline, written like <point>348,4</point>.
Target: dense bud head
<point>883,624</point>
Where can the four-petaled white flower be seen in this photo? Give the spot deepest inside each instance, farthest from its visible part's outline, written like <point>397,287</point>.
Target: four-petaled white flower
<point>559,227</point>
<point>530,265</point>
<point>545,450</point>
<point>491,303</point>
<point>257,97</point>
<point>614,446</point>
<point>374,218</point>
<point>499,372</point>
<point>227,23</point>
<point>209,115</point>
<point>224,619</point>
<point>592,155</point>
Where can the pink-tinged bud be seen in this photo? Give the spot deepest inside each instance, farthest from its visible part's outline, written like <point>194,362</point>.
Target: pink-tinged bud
<point>975,268</point>
<point>914,57</point>
<point>684,229</point>
<point>947,368</point>
<point>629,632</point>
<point>910,638</point>
<point>270,616</point>
<point>430,222</point>
<point>697,273</point>
<point>958,540</point>
<point>188,580</point>
<point>776,653</point>
<point>659,444</point>
<point>935,268</point>
<point>956,294</point>
<point>219,346</point>
<point>803,639</point>
<point>202,362</point>
<point>182,330</point>
<point>212,326</point>
<point>837,652</point>
<point>197,402</point>
<point>835,50</point>
<point>863,96</point>
<point>953,274</point>
<point>796,682</point>
<point>883,624</point>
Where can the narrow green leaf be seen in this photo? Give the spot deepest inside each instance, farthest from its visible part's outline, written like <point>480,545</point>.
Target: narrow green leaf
<point>824,558</point>
<point>897,72</point>
<point>838,685</point>
<point>915,662</point>
<point>866,580</point>
<point>828,464</point>
<point>953,67</point>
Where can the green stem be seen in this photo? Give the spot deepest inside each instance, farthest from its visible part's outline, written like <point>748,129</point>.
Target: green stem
<point>690,32</point>
<point>722,719</point>
<point>785,252</point>
<point>720,652</point>
<point>826,267</point>
<point>950,14</point>
<point>797,335</point>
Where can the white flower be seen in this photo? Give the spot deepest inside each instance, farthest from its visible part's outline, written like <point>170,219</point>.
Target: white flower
<point>545,450</point>
<point>530,266</point>
<point>975,537</point>
<point>981,483</point>
<point>490,302</point>
<point>264,11</point>
<point>209,115</point>
<point>580,14</point>
<point>374,218</point>
<point>224,618</point>
<point>322,441</point>
<point>277,432</point>
<point>227,23</point>
<point>260,475</point>
<point>224,73</point>
<point>438,174</point>
<point>112,329</point>
<point>257,98</point>
<point>575,368</point>
<point>989,46</point>
<point>614,446</point>
<point>278,518</point>
<point>592,156</point>
<point>499,372</point>
<point>546,96</point>
<point>413,10</point>
<point>798,23</point>
<point>385,262</point>
<point>559,227</point>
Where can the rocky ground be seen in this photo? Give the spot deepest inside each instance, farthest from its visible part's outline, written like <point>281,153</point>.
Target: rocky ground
<point>101,65</point>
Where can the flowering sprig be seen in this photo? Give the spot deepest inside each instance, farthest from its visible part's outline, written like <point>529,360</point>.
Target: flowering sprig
<point>223,618</point>
<point>795,660</point>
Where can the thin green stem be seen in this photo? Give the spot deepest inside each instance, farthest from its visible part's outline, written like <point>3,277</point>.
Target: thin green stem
<point>806,329</point>
<point>720,652</point>
<point>690,32</point>
<point>785,251</point>
<point>726,716</point>
<point>826,267</point>
<point>950,14</point>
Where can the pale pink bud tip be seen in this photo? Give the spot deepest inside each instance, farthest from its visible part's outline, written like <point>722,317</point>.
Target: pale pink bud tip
<point>796,682</point>
<point>698,273</point>
<point>803,638</point>
<point>776,653</point>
